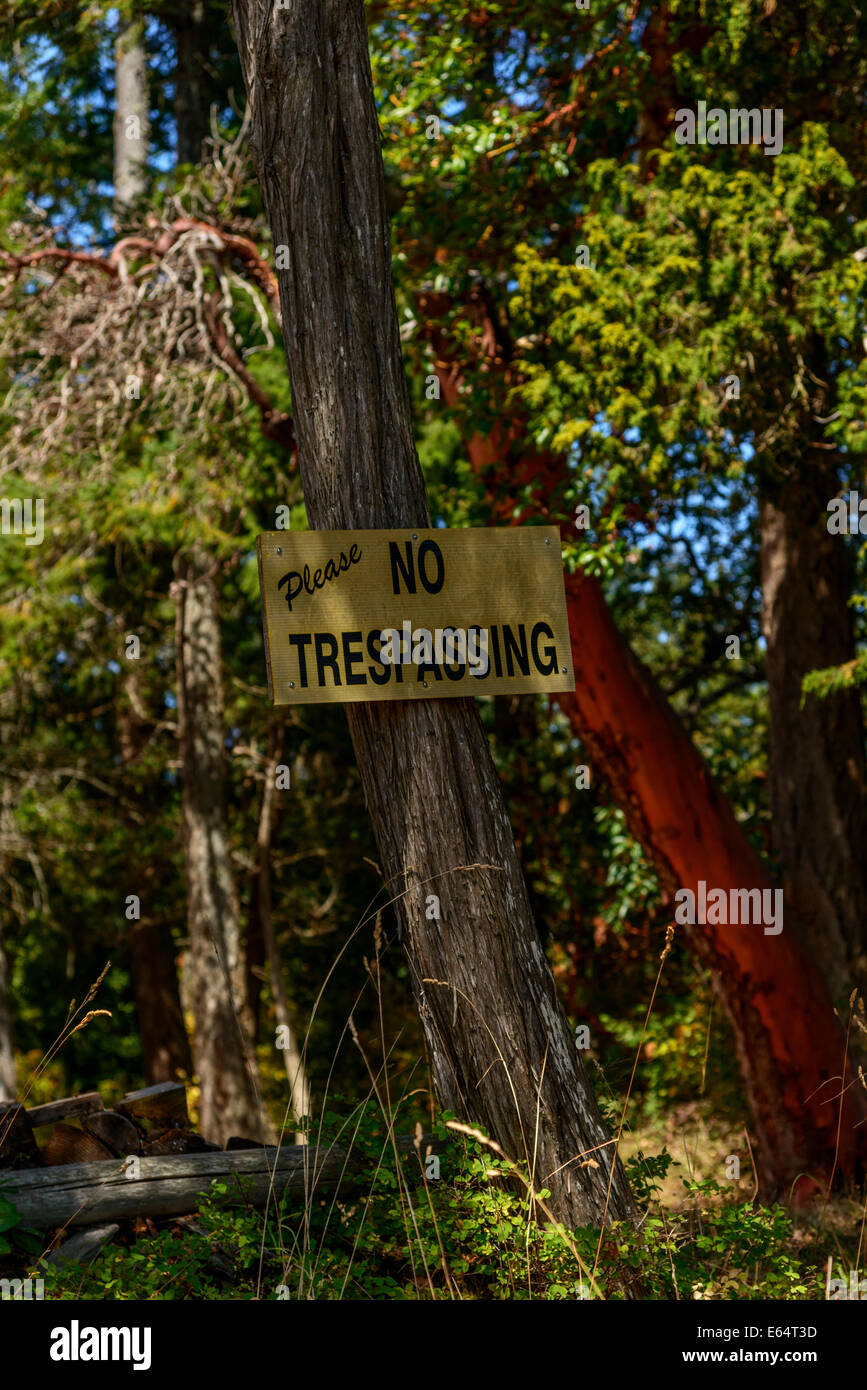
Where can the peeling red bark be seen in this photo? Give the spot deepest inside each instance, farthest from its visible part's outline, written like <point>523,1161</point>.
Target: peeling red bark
<point>790,1045</point>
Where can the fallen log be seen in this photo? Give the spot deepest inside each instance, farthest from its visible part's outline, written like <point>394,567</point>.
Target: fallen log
<point>83,1247</point>
<point>54,1110</point>
<point>84,1194</point>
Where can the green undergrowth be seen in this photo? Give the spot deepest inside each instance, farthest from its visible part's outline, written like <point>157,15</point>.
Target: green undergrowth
<point>397,1232</point>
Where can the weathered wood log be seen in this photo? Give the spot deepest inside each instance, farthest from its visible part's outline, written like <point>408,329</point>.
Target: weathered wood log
<point>70,1145</point>
<point>164,1104</point>
<point>18,1148</point>
<point>117,1132</point>
<point>84,1194</point>
<point>55,1110</point>
<point>84,1246</point>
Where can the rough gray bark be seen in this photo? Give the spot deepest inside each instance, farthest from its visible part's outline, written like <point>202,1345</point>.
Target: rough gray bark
<point>817,773</point>
<point>222,1047</point>
<point>131,115</point>
<point>500,1046</point>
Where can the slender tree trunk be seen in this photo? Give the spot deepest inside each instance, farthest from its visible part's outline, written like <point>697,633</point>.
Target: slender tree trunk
<point>131,116</point>
<point>164,1041</point>
<point>8,1079</point>
<point>254,952</point>
<point>500,1046</point>
<point>790,1047</point>
<point>192,83</point>
<point>299,1094</point>
<point>165,1046</point>
<point>222,1047</point>
<point>818,779</point>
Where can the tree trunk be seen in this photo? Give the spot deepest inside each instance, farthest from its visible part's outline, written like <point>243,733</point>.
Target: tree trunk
<point>8,1079</point>
<point>131,116</point>
<point>299,1094</point>
<point>164,1041</point>
<point>500,1046</point>
<point>818,780</point>
<point>222,1048</point>
<point>192,84</point>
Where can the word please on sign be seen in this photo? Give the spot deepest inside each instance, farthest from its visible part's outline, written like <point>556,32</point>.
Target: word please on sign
<point>296,581</point>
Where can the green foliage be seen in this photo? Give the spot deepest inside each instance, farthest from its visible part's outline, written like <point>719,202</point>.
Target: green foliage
<point>738,1251</point>
<point>825,682</point>
<point>217,1257</point>
<point>704,263</point>
<point>15,1238</point>
<point>646,1173</point>
<point>696,275</point>
<point>682,1045</point>
<point>469,1234</point>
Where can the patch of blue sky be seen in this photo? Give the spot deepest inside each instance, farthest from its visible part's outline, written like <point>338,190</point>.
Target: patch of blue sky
<point>515,69</point>
<point>99,97</point>
<point>701,518</point>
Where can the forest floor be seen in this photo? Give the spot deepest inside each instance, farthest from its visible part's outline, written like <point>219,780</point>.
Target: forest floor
<point>702,1148</point>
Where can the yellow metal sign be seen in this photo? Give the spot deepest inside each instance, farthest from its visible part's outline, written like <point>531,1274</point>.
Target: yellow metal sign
<point>407,615</point>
